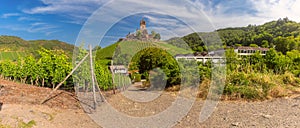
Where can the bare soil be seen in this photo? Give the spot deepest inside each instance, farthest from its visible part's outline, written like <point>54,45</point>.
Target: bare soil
<point>21,104</point>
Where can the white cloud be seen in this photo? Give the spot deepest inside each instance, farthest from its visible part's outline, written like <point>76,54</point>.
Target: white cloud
<point>104,18</point>
<point>41,27</point>
<point>65,6</point>
<point>261,11</point>
<point>38,27</point>
<point>163,21</point>
<point>76,11</point>
<point>27,19</point>
<point>200,14</point>
<point>271,9</point>
<point>7,15</point>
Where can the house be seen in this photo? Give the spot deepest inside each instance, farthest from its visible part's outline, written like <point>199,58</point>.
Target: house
<point>200,58</point>
<point>245,51</point>
<point>218,55</point>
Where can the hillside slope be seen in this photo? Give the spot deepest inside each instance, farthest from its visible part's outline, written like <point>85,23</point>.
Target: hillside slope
<point>283,34</point>
<point>12,47</point>
<point>127,49</point>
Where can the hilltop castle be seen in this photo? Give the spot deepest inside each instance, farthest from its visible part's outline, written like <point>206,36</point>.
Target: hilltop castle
<point>142,34</point>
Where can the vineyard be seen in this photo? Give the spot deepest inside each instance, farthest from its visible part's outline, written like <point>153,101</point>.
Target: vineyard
<point>49,69</point>
<point>11,55</point>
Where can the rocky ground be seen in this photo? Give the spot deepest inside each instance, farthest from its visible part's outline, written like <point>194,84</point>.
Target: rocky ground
<point>20,105</point>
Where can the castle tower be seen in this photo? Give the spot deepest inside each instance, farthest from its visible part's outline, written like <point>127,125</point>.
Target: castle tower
<point>142,25</point>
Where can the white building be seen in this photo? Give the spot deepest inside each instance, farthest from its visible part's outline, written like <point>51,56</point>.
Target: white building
<point>246,51</point>
<point>218,55</point>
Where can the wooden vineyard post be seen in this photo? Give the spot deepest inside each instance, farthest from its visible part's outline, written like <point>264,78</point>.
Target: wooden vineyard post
<point>92,76</point>
<point>123,82</point>
<point>119,80</point>
<point>97,85</point>
<point>113,76</point>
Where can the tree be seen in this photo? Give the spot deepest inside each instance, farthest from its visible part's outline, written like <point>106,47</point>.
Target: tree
<point>231,59</point>
<point>153,33</point>
<point>157,36</point>
<point>284,44</point>
<point>283,64</point>
<point>151,58</point>
<point>294,56</point>
<point>139,34</point>
<point>270,58</point>
<point>258,39</point>
<point>265,44</point>
<point>254,45</point>
<point>257,62</point>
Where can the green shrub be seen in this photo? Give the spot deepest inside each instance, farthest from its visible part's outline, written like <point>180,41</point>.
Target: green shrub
<point>257,85</point>
<point>288,78</point>
<point>136,77</point>
<point>248,92</point>
<point>30,124</point>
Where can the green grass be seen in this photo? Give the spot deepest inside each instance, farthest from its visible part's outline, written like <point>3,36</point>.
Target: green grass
<point>107,52</point>
<point>132,47</point>
<point>173,50</point>
<point>30,124</point>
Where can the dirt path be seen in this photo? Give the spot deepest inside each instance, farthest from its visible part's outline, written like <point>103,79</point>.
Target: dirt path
<point>20,104</point>
<point>44,117</point>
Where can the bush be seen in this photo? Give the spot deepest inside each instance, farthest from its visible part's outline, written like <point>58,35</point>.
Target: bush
<point>277,91</point>
<point>258,85</point>
<point>289,78</point>
<point>151,58</point>
<point>136,77</point>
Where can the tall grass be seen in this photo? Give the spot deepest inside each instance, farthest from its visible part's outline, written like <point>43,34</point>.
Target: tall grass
<point>255,86</point>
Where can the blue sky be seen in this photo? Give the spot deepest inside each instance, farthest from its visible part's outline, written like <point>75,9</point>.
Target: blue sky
<point>64,19</point>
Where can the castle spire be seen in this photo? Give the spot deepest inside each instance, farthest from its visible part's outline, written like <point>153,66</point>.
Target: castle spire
<point>142,24</point>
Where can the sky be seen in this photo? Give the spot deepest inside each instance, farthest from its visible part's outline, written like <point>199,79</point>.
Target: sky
<point>69,20</point>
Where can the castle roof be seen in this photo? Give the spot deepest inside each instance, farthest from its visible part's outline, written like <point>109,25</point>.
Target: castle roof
<point>143,21</point>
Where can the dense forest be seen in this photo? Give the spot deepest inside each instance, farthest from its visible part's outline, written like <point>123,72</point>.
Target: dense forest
<point>283,35</point>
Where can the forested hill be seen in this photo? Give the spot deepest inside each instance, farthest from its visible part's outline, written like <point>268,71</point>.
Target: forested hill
<point>282,34</point>
<point>17,44</point>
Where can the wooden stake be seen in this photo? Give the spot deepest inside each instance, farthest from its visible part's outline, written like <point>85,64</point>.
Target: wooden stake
<point>46,99</point>
<point>113,76</point>
<point>92,76</point>
<point>97,85</point>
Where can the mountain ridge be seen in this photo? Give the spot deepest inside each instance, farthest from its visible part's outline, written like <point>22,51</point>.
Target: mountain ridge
<point>17,44</point>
